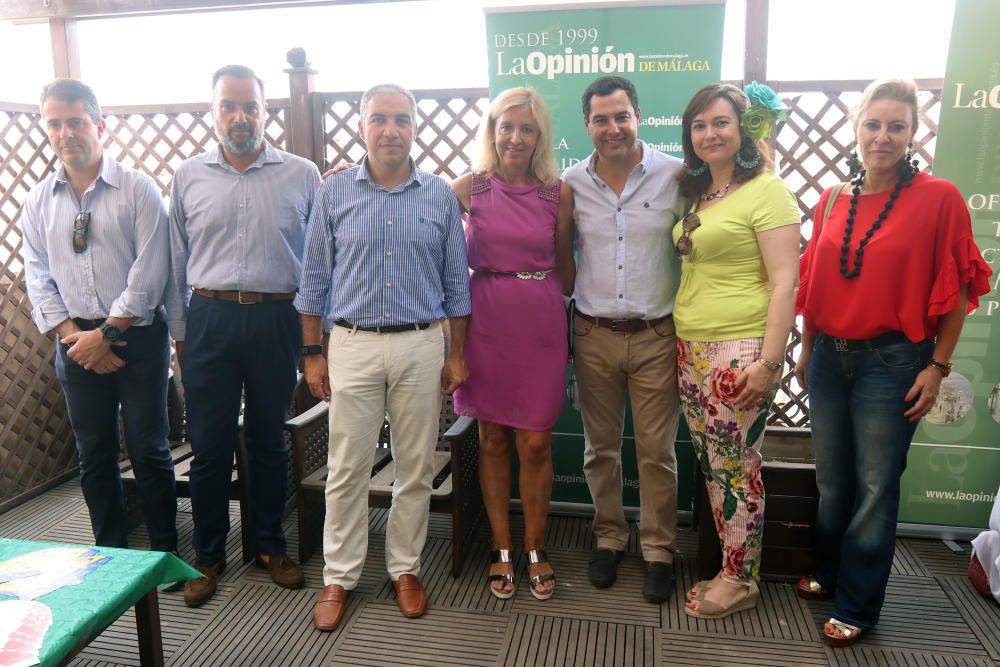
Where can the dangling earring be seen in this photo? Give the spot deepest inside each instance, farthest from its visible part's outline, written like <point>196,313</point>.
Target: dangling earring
<point>909,165</point>
<point>697,171</point>
<point>755,157</point>
<point>853,165</point>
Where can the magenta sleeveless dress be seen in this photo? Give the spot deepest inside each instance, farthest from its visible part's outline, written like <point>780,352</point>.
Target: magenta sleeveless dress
<point>516,345</point>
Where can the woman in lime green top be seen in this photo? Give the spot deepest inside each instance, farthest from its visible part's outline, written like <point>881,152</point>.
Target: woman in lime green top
<point>739,248</point>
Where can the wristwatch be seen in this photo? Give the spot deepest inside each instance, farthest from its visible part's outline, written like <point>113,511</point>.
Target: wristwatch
<point>769,365</point>
<point>110,332</point>
<point>310,350</point>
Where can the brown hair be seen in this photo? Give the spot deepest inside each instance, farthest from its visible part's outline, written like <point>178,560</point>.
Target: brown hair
<point>695,186</point>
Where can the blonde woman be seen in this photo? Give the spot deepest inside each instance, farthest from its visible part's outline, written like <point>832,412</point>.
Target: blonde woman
<point>519,232</point>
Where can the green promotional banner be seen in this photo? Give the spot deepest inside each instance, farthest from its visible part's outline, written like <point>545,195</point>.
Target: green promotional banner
<point>669,51</point>
<point>954,463</point>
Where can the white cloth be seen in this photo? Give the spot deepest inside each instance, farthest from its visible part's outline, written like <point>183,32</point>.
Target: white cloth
<point>987,548</point>
<point>371,374</point>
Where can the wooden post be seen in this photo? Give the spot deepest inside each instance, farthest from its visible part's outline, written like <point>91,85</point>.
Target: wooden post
<point>65,48</point>
<point>299,120</point>
<point>755,46</point>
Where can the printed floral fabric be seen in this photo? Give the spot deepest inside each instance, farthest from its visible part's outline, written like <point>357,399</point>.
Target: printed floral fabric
<point>727,442</point>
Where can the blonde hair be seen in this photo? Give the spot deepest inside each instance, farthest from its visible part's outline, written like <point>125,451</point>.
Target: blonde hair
<point>543,161</point>
<point>900,90</point>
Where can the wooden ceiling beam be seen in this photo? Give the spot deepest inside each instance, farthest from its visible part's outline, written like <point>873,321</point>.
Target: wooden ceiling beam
<point>40,10</point>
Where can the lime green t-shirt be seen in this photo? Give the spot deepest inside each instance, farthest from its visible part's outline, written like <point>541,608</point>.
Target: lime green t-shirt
<point>723,292</point>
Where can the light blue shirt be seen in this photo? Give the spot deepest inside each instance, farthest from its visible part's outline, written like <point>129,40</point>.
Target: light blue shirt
<point>378,257</point>
<point>123,271</point>
<point>628,267</point>
<point>237,231</point>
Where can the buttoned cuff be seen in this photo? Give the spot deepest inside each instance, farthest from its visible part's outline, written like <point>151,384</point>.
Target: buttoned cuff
<point>48,315</point>
<point>177,328</point>
<point>459,307</point>
<point>310,305</point>
<point>131,304</point>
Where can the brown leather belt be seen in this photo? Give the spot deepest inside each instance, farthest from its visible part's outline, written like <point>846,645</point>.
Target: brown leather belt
<point>245,298</point>
<point>623,326</point>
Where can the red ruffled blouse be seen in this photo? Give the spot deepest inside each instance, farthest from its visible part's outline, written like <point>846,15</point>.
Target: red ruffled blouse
<point>912,270</point>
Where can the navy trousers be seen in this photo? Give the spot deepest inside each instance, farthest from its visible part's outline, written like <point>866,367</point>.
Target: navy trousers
<point>139,391</point>
<point>233,350</point>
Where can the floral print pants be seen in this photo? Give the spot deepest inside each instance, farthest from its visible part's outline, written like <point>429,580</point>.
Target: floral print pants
<point>727,442</point>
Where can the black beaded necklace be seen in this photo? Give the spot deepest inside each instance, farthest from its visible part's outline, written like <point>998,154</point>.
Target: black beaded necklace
<point>905,180</point>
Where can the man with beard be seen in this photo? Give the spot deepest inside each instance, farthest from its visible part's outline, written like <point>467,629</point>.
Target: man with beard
<point>238,217</point>
<point>95,261</point>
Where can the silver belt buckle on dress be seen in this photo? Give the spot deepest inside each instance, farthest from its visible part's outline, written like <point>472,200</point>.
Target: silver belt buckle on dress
<point>239,298</point>
<point>532,275</point>
<point>840,344</point>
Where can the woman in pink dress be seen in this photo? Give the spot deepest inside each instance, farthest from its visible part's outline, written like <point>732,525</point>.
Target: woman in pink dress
<point>520,239</point>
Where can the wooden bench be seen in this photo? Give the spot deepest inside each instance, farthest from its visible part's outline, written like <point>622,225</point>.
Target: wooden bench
<point>183,458</point>
<point>455,487</point>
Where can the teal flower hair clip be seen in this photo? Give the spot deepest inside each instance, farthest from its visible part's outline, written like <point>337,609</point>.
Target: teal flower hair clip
<point>765,110</point>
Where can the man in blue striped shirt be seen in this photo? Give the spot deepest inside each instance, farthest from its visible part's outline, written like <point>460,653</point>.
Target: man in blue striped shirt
<point>96,262</point>
<point>238,216</point>
<point>386,239</point>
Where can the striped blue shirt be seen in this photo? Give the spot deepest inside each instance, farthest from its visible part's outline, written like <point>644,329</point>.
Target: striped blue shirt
<point>376,257</point>
<point>123,271</point>
<point>237,231</point>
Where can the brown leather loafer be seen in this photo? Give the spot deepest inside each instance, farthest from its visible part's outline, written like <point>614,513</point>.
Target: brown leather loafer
<point>410,596</point>
<point>284,571</point>
<point>330,606</point>
<point>198,591</point>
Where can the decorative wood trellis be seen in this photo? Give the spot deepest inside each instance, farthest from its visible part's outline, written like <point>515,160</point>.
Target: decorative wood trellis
<point>35,442</point>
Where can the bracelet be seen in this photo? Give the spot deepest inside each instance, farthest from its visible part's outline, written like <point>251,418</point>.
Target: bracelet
<point>942,367</point>
<point>769,365</point>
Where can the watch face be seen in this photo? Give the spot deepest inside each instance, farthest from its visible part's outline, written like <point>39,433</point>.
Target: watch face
<point>110,332</point>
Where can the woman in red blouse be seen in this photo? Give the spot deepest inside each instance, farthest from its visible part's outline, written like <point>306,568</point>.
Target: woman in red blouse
<point>886,282</point>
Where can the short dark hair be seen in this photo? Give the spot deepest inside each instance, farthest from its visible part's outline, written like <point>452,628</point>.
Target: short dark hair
<point>71,90</point>
<point>607,85</point>
<point>238,72</point>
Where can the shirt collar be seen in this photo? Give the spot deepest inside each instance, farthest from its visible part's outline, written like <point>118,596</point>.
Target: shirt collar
<point>364,175</point>
<point>644,163</point>
<point>109,172</point>
<point>269,155</point>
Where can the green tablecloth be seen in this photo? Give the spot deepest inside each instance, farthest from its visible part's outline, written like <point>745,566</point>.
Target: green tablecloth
<point>81,610</point>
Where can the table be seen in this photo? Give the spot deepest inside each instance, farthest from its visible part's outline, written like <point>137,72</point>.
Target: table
<point>82,611</point>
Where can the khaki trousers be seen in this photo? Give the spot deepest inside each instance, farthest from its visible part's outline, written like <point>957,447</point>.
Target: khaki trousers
<point>371,374</point>
<point>645,363</point>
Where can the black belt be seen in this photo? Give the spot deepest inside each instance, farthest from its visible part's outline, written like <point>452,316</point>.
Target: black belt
<point>857,344</point>
<point>623,326</point>
<point>88,325</point>
<point>386,329</point>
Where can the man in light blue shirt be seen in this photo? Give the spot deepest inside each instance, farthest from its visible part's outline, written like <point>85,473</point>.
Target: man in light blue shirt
<point>626,204</point>
<point>386,240</point>
<point>238,216</point>
<point>96,263</point>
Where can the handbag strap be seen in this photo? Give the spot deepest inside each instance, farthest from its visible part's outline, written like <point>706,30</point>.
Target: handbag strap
<point>835,192</point>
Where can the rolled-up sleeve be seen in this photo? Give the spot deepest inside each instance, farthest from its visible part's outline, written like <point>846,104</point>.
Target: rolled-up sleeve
<point>177,289</point>
<point>147,279</point>
<point>455,277</point>
<point>48,309</point>
<point>317,262</point>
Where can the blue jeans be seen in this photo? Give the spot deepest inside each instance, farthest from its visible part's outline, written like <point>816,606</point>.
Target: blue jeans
<point>139,390</point>
<point>861,439</point>
<point>233,350</point>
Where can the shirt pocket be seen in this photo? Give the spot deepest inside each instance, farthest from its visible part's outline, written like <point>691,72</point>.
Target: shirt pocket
<point>423,231</point>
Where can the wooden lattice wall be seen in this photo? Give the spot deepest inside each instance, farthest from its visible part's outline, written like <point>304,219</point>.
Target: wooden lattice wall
<point>35,442</point>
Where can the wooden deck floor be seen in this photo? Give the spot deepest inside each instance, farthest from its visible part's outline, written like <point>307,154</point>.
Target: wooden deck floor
<point>931,616</point>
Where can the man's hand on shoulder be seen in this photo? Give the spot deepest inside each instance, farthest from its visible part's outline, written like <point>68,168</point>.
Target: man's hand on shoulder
<point>337,168</point>
<point>454,373</point>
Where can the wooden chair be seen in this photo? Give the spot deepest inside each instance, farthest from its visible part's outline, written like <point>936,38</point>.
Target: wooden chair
<point>456,477</point>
